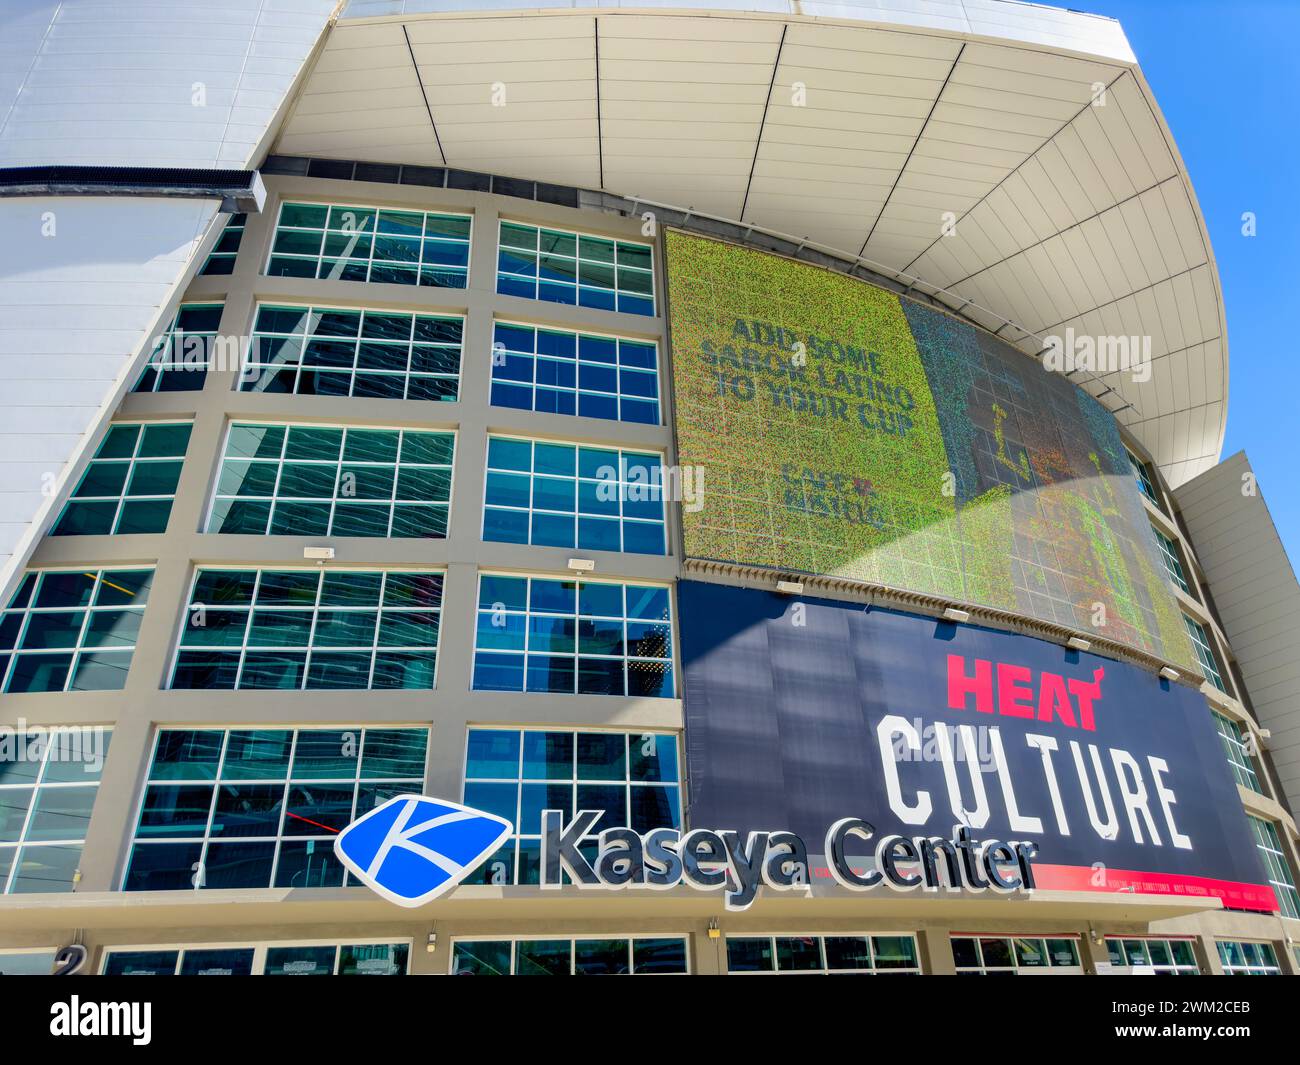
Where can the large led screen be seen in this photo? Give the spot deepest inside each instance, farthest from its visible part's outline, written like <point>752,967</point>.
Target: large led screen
<point>842,429</point>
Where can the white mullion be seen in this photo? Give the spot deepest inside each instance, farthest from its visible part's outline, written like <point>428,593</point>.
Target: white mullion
<point>419,261</point>
<point>310,646</point>
<point>76,649</point>
<point>374,239</point>
<point>374,637</point>
<point>126,481</point>
<point>212,811</point>
<point>338,474</point>
<point>519,795</point>
<point>284,803</point>
<point>248,626</point>
<point>392,493</point>
<point>537,333</point>
<point>356,351</point>
<point>302,354</point>
<point>275,488</point>
<point>356,774</point>
<point>31,810</point>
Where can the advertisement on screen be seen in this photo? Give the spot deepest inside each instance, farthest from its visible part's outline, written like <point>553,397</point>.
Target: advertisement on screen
<point>801,712</point>
<point>842,429</point>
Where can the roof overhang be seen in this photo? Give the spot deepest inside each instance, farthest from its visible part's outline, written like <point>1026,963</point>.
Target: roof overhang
<point>1006,159</point>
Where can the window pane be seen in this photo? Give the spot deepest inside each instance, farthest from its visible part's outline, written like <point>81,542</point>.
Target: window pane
<point>847,952</point>
<point>141,963</point>
<point>749,955</point>
<point>544,957</point>
<point>360,244</point>
<point>600,957</point>
<point>300,961</point>
<point>490,958</point>
<point>384,959</point>
<point>658,956</point>
<point>325,643</point>
<point>237,962</point>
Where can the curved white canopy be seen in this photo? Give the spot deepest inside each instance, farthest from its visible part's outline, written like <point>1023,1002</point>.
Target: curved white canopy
<point>861,127</point>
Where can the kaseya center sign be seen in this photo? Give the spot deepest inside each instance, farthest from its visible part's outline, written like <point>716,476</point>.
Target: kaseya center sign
<point>723,860</point>
<point>412,849</point>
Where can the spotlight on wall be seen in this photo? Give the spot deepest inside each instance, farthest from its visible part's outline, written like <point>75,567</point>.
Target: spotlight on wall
<point>582,565</point>
<point>318,554</point>
<point>790,587</point>
<point>714,931</point>
<point>431,944</point>
<point>1078,643</point>
<point>953,614</point>
<point>1169,673</point>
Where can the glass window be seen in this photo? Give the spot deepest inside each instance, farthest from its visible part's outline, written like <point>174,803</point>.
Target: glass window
<point>231,961</point>
<point>131,482</point>
<point>291,629</point>
<point>27,962</point>
<point>1163,957</point>
<point>996,955</point>
<point>824,955</point>
<point>48,783</point>
<point>1248,959</point>
<point>256,808</point>
<point>631,776</point>
<point>622,956</point>
<point>303,480</point>
<point>388,246</point>
<point>562,266</point>
<point>566,495</point>
<point>1142,475</point>
<point>222,258</point>
<point>275,959</point>
<point>586,374</point>
<point>320,351</point>
<point>541,634</point>
<point>1204,652</point>
<point>1276,866</point>
<point>1234,746</point>
<point>72,630</point>
<point>183,355</point>
<point>141,962</point>
<point>1170,557</point>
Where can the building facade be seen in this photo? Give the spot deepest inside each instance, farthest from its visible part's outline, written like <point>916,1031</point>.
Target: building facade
<point>482,476</point>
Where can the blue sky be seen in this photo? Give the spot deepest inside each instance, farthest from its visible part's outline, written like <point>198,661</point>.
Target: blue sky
<point>1227,77</point>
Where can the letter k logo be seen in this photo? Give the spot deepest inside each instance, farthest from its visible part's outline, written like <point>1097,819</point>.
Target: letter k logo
<point>412,849</point>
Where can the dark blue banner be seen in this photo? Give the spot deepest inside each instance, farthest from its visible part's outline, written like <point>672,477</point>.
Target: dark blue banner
<point>802,712</point>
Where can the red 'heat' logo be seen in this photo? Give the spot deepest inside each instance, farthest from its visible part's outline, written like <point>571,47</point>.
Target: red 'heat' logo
<point>1015,691</point>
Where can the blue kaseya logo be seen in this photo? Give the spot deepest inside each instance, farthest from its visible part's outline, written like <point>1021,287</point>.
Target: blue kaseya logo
<point>412,848</point>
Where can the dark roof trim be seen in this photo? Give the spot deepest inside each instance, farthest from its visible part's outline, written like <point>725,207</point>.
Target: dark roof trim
<point>239,190</point>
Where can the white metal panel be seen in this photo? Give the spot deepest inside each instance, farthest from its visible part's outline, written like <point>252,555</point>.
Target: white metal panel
<point>1011,19</point>
<point>143,82</point>
<point>83,282</point>
<point>1257,600</point>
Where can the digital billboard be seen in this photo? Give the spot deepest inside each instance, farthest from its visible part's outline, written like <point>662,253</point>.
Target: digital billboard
<point>842,429</point>
<point>802,712</point>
